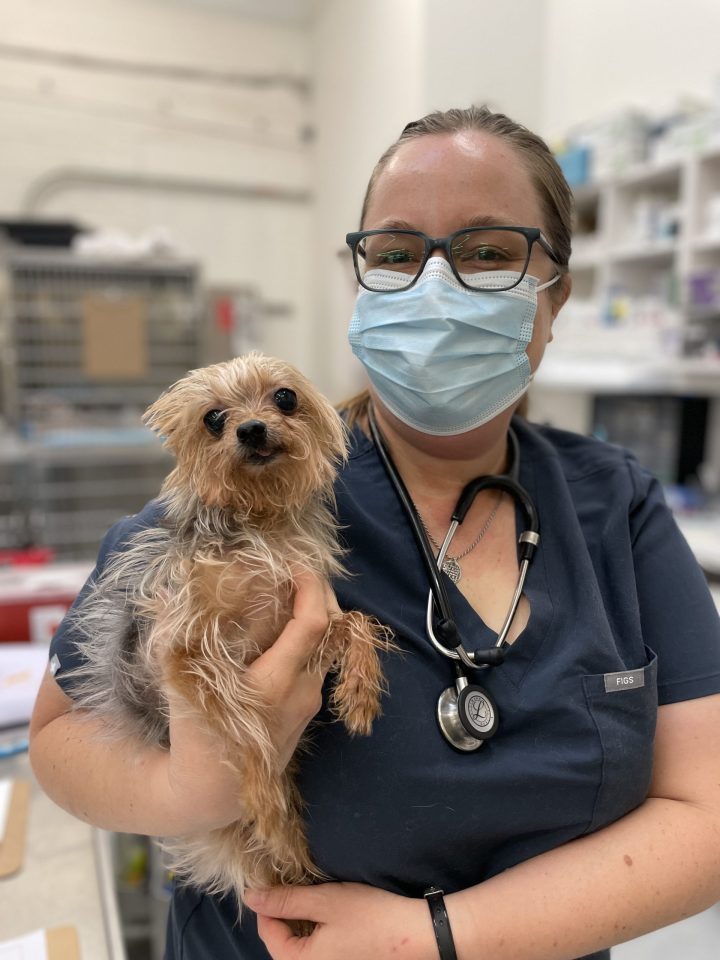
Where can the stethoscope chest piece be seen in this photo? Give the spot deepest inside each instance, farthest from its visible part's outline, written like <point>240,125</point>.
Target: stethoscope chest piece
<point>467,715</point>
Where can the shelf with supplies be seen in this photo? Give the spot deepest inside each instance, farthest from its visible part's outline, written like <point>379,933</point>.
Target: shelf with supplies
<point>707,244</point>
<point>636,350</point>
<point>636,353</point>
<point>660,249</point>
<point>665,212</point>
<point>685,376</point>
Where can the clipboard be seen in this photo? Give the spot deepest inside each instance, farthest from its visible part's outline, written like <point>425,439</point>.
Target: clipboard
<point>62,944</point>
<point>12,845</point>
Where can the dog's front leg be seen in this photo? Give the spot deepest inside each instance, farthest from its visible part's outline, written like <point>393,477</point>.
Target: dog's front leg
<point>223,696</point>
<point>356,640</point>
<point>219,695</point>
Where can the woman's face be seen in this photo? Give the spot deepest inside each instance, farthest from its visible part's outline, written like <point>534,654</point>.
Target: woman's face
<point>440,183</point>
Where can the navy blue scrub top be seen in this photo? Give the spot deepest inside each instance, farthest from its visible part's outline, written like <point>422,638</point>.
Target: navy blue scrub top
<point>613,588</point>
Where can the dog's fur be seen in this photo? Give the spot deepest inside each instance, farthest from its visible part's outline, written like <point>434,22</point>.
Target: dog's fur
<point>198,598</point>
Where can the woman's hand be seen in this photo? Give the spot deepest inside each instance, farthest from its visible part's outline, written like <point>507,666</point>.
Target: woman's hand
<point>288,674</point>
<point>288,679</point>
<point>353,921</point>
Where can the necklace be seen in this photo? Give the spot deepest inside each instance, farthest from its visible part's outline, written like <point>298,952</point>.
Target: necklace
<point>451,565</point>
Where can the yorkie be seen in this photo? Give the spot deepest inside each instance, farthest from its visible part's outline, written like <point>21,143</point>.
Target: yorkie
<point>196,599</point>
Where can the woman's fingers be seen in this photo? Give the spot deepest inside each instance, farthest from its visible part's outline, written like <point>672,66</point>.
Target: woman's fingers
<point>273,908</point>
<point>333,607</point>
<point>289,674</point>
<point>280,942</point>
<point>290,903</point>
<point>313,606</point>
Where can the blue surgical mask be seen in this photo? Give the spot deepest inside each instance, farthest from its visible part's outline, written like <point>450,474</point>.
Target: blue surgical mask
<point>442,358</point>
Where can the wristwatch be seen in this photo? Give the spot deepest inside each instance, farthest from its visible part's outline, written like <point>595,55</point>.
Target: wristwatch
<point>441,923</point>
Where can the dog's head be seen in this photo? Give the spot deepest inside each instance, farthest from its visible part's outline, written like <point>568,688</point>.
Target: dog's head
<point>252,435</point>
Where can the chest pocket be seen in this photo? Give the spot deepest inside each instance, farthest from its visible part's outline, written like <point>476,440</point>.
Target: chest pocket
<point>624,709</point>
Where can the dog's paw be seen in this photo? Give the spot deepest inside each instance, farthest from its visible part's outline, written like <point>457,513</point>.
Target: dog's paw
<point>356,697</point>
<point>356,705</point>
<point>361,718</point>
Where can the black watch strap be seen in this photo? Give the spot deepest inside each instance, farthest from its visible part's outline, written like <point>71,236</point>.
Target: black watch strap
<point>441,923</point>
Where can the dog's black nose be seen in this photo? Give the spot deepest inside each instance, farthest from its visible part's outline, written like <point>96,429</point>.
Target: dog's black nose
<point>253,433</point>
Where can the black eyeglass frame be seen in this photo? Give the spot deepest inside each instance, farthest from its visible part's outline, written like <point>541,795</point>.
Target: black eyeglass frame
<point>531,234</point>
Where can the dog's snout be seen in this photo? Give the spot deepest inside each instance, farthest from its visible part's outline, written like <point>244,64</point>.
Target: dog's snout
<point>253,433</point>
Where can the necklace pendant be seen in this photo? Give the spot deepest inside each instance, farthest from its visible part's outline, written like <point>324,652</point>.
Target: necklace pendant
<point>452,568</point>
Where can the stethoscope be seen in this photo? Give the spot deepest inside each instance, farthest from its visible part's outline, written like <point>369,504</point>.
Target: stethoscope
<point>467,713</point>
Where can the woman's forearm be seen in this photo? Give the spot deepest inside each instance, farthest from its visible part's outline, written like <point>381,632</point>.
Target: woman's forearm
<point>657,865</point>
<point>121,785</point>
<point>196,785</point>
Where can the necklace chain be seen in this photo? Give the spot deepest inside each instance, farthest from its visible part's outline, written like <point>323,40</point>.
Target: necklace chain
<point>451,565</point>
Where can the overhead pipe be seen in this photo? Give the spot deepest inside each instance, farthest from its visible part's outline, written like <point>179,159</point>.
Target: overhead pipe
<point>64,178</point>
<point>178,72</point>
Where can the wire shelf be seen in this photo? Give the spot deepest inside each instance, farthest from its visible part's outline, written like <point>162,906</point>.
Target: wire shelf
<point>85,346</point>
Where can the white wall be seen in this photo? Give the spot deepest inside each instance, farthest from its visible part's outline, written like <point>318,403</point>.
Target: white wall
<point>369,79</point>
<point>485,53</point>
<point>55,116</point>
<point>603,55</point>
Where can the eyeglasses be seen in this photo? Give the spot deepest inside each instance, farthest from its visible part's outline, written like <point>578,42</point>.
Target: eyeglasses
<point>474,254</point>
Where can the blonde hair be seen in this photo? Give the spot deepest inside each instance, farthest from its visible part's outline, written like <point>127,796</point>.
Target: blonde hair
<point>555,196</point>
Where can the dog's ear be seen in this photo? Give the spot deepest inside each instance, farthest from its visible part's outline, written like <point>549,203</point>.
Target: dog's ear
<point>338,434</point>
<point>333,432</point>
<point>167,413</point>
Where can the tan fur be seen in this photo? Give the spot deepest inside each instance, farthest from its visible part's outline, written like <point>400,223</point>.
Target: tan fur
<point>217,580</point>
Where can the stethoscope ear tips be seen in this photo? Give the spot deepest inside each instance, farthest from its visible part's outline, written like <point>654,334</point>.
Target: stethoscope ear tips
<point>489,658</point>
<point>447,633</point>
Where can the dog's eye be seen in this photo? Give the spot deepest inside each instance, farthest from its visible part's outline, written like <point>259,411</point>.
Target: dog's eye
<point>285,400</point>
<point>214,420</point>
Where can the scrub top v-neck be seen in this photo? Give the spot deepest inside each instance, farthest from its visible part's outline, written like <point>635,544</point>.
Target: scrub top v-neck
<point>620,620</point>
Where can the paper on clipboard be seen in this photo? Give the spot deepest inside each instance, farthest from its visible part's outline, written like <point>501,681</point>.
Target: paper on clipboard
<point>22,666</point>
<point>57,944</point>
<point>33,946</point>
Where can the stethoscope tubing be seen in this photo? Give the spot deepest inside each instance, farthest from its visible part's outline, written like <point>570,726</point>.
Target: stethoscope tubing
<point>460,653</point>
<point>437,586</point>
<point>452,646</point>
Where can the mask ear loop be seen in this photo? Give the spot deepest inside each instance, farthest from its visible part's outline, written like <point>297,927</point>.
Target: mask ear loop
<point>549,283</point>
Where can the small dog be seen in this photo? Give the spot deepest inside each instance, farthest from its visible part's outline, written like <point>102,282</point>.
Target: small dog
<point>198,598</point>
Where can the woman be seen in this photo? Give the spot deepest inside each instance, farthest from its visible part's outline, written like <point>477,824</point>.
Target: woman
<point>559,837</point>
